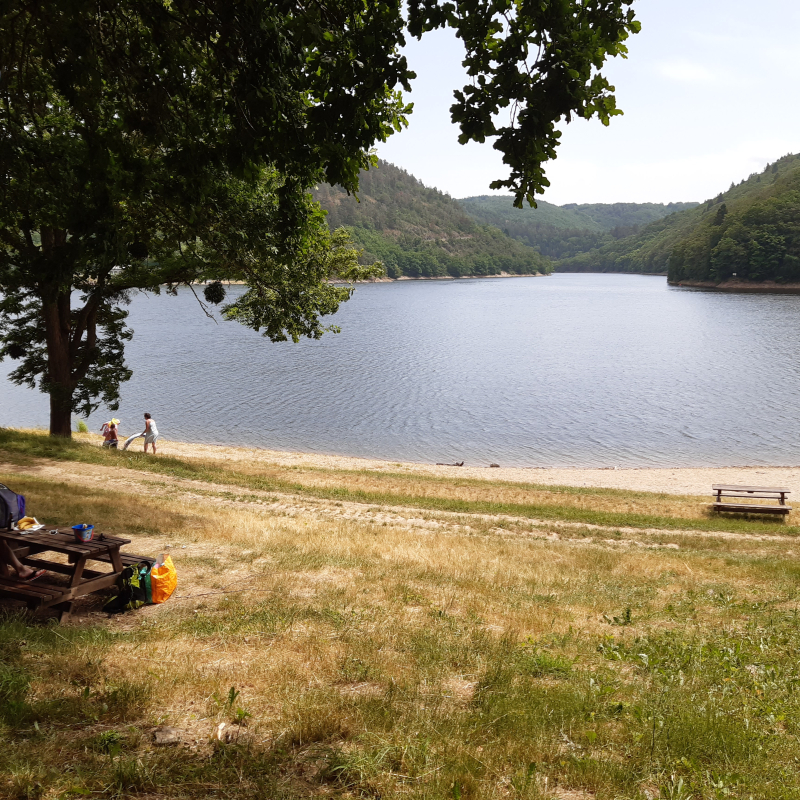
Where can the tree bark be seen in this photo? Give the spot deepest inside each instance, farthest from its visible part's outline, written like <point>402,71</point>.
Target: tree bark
<point>59,367</point>
<point>57,327</point>
<point>60,414</point>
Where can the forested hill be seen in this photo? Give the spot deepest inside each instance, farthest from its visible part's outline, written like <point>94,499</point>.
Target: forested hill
<point>564,231</point>
<point>420,232</point>
<point>752,230</point>
<point>754,236</point>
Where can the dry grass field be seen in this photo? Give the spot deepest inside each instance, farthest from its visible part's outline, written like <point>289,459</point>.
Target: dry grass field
<point>401,634</point>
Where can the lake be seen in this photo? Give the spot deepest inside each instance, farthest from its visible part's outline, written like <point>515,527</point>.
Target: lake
<point>568,370</point>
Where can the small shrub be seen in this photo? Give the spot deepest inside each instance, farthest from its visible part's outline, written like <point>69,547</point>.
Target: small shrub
<point>109,742</point>
<point>82,427</point>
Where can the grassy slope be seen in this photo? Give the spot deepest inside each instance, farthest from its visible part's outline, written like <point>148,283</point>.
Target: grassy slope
<point>649,250</point>
<point>417,231</point>
<point>395,656</point>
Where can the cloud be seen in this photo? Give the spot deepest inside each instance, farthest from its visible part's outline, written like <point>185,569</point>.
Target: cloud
<point>662,178</point>
<point>785,58</point>
<point>686,72</point>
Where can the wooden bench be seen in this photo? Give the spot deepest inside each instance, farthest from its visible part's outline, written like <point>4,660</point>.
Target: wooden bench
<point>36,595</point>
<point>29,547</point>
<point>750,493</point>
<point>128,559</point>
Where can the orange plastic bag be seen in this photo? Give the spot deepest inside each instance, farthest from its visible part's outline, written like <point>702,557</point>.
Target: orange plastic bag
<point>163,579</point>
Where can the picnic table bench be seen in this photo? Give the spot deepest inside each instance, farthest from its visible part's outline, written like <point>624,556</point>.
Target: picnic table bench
<point>747,493</point>
<point>81,581</point>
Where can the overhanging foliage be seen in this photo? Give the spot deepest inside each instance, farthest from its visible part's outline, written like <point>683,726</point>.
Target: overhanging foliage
<point>151,143</point>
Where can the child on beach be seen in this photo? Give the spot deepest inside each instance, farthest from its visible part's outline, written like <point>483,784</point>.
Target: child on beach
<point>110,438</point>
<point>107,425</point>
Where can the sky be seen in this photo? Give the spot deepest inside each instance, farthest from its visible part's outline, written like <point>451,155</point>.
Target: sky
<point>710,91</point>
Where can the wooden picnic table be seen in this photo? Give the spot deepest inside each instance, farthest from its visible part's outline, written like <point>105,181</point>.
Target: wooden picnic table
<point>747,493</point>
<point>41,593</point>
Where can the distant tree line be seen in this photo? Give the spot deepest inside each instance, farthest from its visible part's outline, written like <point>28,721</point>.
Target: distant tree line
<point>557,243</point>
<point>412,257</point>
<point>560,232</point>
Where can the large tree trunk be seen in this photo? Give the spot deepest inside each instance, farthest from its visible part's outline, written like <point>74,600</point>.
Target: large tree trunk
<point>59,363</point>
<point>56,317</point>
<point>60,414</point>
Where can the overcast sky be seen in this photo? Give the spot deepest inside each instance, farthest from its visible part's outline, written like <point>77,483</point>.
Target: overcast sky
<point>710,91</point>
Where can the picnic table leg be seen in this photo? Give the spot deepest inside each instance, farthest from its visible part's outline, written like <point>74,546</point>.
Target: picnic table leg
<point>78,572</point>
<point>64,610</point>
<point>116,559</point>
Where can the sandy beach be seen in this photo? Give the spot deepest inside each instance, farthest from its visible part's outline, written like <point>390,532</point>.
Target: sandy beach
<point>682,480</point>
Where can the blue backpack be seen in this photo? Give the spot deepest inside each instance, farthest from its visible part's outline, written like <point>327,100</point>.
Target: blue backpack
<point>12,507</point>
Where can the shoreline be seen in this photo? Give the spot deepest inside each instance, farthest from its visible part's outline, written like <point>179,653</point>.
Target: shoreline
<point>665,480</point>
<point>605,272</point>
<point>387,279</point>
<point>740,286</point>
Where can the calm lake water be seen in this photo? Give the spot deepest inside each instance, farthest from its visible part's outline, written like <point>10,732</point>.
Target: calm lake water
<point>587,370</point>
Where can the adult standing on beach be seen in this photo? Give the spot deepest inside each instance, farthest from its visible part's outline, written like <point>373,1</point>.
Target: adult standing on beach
<point>150,434</point>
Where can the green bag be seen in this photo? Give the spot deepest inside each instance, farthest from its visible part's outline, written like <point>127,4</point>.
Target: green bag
<point>144,576</point>
<point>133,589</point>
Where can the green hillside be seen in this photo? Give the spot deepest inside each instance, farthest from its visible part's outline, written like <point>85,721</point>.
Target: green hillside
<point>420,232</point>
<point>564,231</point>
<point>752,230</point>
<point>755,237</point>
